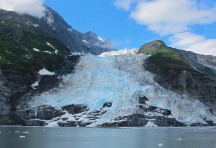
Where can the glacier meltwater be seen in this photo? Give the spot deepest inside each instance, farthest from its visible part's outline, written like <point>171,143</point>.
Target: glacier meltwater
<point>119,77</point>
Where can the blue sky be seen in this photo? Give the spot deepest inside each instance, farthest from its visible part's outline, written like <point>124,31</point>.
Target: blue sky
<point>186,24</point>
<point>183,24</point>
<point>103,18</point>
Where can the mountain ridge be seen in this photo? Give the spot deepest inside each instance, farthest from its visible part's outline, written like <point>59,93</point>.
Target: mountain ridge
<point>53,75</point>
<point>176,73</point>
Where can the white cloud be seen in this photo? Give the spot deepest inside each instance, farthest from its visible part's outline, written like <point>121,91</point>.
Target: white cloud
<point>30,7</point>
<point>171,16</point>
<point>195,43</point>
<point>175,18</point>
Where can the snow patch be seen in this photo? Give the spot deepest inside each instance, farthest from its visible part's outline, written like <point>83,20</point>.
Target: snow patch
<point>150,124</point>
<point>50,45</point>
<point>100,39</point>
<point>54,122</point>
<point>35,49</point>
<point>48,52</point>
<point>119,52</point>
<point>77,53</point>
<point>85,41</point>
<point>36,84</point>
<point>46,72</point>
<point>49,20</point>
<point>35,25</point>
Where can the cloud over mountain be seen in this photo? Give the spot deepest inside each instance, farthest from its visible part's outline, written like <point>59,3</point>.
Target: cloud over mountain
<point>30,7</point>
<point>174,18</point>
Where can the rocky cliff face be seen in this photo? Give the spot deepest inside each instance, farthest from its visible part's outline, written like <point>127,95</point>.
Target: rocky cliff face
<point>180,71</point>
<point>29,45</point>
<point>203,63</point>
<point>46,79</point>
<point>113,89</point>
<point>54,25</point>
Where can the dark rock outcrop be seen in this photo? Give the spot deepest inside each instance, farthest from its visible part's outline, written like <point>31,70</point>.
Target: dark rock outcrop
<point>68,124</point>
<point>35,122</point>
<point>11,119</point>
<point>75,108</point>
<point>42,112</point>
<point>145,114</point>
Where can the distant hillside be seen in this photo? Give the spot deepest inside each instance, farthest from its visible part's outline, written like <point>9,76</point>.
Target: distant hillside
<point>179,71</point>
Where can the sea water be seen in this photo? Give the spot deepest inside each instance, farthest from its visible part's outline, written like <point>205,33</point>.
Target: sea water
<point>41,137</point>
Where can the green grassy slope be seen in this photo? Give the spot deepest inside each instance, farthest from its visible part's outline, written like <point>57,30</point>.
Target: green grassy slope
<point>26,50</point>
<point>163,58</point>
<point>174,73</point>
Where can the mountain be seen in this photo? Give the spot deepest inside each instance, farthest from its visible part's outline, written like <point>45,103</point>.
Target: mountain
<point>115,89</point>
<point>48,78</point>
<point>183,72</point>
<point>54,25</point>
<point>28,45</point>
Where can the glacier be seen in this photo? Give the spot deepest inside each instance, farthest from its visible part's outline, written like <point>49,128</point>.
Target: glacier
<point>118,77</point>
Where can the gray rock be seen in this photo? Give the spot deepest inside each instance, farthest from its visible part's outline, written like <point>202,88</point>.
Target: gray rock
<point>35,122</point>
<point>142,100</point>
<point>42,112</point>
<point>75,108</point>
<point>68,124</point>
<point>11,119</point>
<point>107,104</point>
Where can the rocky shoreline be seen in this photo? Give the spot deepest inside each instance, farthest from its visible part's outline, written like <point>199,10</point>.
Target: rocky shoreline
<point>78,115</point>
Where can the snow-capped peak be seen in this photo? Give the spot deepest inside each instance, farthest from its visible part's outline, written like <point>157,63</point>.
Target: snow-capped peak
<point>100,39</point>
<point>46,72</point>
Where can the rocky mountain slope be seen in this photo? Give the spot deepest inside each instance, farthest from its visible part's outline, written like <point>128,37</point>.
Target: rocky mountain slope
<point>28,45</point>
<point>182,72</point>
<point>48,78</point>
<point>54,25</point>
<point>114,89</point>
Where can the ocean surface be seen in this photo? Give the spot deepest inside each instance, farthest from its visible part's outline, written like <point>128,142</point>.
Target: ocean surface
<point>42,137</point>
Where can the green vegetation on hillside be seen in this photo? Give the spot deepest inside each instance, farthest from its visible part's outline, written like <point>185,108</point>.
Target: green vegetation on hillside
<point>26,51</point>
<point>152,47</point>
<point>168,59</point>
<point>164,58</point>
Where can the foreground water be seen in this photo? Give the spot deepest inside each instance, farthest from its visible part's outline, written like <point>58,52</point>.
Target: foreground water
<point>40,137</point>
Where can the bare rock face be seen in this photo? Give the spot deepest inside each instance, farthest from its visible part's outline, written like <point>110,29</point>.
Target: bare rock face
<point>42,112</point>
<point>5,93</point>
<point>11,119</point>
<point>75,108</point>
<point>182,72</point>
<point>203,63</point>
<point>78,115</point>
<point>145,114</point>
<point>189,83</point>
<point>68,124</point>
<point>35,122</point>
